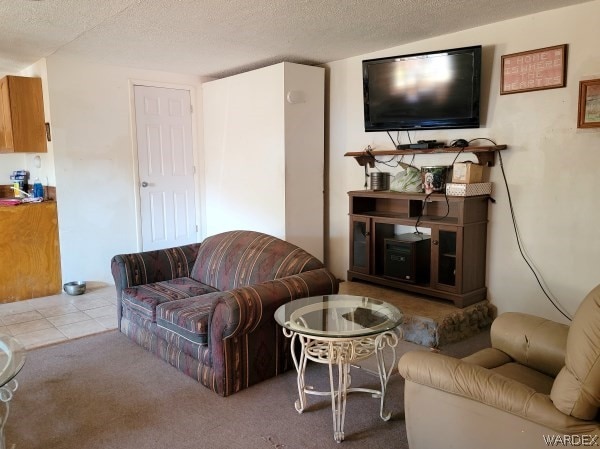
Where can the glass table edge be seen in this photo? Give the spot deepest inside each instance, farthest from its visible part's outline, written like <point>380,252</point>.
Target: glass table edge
<point>388,326</point>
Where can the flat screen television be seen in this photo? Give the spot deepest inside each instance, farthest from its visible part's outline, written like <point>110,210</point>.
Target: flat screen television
<point>433,90</point>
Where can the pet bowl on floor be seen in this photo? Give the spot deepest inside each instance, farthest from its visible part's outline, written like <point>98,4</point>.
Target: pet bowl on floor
<point>75,288</point>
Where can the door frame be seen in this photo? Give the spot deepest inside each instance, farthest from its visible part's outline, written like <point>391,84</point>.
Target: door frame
<point>198,160</point>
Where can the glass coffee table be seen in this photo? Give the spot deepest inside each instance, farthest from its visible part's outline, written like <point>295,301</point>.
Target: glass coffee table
<point>12,359</point>
<point>340,330</point>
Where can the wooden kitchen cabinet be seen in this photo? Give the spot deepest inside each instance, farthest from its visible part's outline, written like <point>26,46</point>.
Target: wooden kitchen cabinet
<point>22,123</point>
<point>30,262</point>
<point>456,252</point>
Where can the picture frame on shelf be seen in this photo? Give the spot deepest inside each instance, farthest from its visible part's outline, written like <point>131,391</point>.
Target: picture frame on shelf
<point>544,68</point>
<point>589,104</point>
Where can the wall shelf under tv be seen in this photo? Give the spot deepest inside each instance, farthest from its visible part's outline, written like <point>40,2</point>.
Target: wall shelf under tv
<point>485,154</point>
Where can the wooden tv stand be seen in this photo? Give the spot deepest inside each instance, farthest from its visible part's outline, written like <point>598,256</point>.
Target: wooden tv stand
<point>458,241</point>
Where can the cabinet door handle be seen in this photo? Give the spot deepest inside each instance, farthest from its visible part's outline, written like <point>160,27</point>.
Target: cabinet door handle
<point>367,234</point>
<point>435,242</point>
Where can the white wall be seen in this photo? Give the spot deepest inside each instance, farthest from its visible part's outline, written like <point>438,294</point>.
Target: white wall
<point>550,164</point>
<point>94,161</point>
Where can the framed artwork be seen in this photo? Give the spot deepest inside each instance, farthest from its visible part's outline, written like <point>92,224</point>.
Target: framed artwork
<point>589,104</point>
<point>545,68</point>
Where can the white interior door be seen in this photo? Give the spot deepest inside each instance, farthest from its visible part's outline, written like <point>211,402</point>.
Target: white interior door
<point>166,167</point>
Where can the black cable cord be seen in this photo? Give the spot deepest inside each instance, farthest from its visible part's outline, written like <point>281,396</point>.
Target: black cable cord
<point>432,218</point>
<point>456,157</point>
<point>483,138</point>
<point>417,232</point>
<point>447,208</point>
<point>378,161</point>
<point>518,238</point>
<point>392,139</point>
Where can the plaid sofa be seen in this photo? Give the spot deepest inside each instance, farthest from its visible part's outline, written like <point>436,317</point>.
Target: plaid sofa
<point>207,308</point>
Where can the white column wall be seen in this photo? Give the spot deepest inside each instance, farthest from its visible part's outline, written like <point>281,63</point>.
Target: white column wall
<point>244,158</point>
<point>304,154</point>
<point>551,165</point>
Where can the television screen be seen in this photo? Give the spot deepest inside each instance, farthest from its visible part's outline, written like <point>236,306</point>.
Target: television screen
<point>434,90</point>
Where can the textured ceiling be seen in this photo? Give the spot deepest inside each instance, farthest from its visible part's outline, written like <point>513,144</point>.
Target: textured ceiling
<point>222,37</point>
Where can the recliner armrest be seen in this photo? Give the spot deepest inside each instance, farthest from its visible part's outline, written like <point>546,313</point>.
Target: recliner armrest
<point>532,341</point>
<point>488,358</point>
<point>474,382</point>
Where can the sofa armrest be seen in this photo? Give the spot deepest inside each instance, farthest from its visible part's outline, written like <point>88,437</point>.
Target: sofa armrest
<point>133,269</point>
<point>532,341</point>
<point>479,384</point>
<point>242,310</point>
<point>243,331</point>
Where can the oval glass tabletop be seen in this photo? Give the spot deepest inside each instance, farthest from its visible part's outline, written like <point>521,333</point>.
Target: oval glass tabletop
<point>12,358</point>
<point>338,316</point>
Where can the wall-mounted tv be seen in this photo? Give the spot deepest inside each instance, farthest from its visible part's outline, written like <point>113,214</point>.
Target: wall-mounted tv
<point>433,90</point>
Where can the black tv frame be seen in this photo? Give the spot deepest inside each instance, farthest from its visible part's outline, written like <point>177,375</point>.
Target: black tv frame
<point>420,124</point>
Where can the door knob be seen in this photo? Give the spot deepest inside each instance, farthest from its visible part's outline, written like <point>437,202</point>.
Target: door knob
<point>144,184</point>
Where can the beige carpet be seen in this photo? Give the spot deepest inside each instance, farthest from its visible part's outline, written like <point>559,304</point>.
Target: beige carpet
<point>105,392</point>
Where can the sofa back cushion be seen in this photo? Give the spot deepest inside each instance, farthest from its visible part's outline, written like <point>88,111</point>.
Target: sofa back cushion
<point>240,258</point>
<point>576,389</point>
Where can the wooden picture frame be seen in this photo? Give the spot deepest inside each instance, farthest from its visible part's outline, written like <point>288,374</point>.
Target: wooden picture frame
<point>544,68</point>
<point>589,104</point>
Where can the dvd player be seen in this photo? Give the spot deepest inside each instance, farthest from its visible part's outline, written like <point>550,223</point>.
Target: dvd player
<point>420,146</point>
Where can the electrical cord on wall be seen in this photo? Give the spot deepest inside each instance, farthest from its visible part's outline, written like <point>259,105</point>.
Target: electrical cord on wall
<point>518,238</point>
<point>389,163</point>
<point>397,141</point>
<point>392,139</point>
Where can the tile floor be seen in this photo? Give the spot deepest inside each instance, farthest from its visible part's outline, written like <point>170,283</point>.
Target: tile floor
<point>52,319</point>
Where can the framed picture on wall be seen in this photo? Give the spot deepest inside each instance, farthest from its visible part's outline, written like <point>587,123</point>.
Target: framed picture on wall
<point>589,104</point>
<point>544,68</point>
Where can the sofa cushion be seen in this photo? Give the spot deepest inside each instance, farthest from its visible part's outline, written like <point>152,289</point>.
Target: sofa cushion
<point>145,298</point>
<point>241,258</point>
<point>187,317</point>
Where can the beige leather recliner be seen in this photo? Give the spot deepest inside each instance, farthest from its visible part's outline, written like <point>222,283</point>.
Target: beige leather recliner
<point>537,386</point>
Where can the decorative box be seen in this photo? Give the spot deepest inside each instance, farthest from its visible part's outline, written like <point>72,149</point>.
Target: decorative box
<point>467,172</point>
<point>478,188</point>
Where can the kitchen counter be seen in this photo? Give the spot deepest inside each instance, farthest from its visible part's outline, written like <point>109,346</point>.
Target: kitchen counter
<point>29,251</point>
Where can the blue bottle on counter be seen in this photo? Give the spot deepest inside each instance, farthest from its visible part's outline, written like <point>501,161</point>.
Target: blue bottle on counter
<point>38,189</point>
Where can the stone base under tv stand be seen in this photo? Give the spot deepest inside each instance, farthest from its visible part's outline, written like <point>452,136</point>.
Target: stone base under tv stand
<point>428,321</point>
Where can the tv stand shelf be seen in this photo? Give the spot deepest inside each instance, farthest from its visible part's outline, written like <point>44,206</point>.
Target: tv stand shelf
<point>451,265</point>
<point>485,154</point>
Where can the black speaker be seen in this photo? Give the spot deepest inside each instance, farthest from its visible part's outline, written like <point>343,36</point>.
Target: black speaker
<point>407,258</point>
